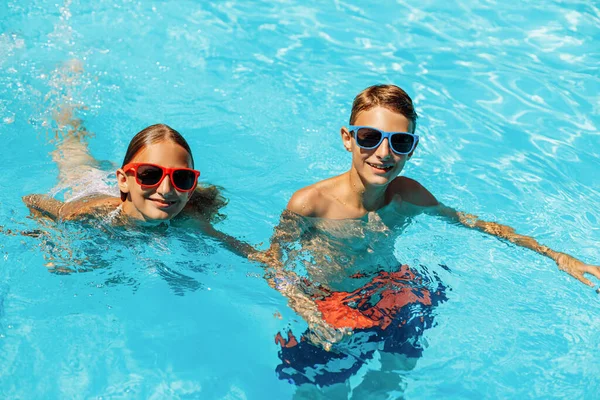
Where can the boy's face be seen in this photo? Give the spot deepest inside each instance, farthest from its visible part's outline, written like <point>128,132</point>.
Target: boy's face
<point>378,166</point>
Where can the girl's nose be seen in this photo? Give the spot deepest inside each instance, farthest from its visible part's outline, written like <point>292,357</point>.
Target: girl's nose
<point>166,186</point>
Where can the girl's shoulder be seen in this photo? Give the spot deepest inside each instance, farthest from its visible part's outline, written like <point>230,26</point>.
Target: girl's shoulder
<point>205,203</point>
<point>91,206</point>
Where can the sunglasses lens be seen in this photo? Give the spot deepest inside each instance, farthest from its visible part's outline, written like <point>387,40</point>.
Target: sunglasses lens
<point>149,175</point>
<point>184,179</point>
<point>368,138</point>
<point>402,143</point>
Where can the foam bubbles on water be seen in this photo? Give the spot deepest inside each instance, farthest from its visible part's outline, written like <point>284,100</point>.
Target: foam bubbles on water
<point>573,17</point>
<point>572,59</point>
<point>546,40</point>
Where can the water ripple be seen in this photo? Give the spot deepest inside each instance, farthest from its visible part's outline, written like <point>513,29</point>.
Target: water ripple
<point>509,105</point>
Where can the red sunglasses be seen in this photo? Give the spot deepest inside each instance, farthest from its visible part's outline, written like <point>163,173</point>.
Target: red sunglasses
<point>151,175</point>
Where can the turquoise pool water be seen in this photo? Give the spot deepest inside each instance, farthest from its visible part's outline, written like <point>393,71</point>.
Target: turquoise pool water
<point>509,114</point>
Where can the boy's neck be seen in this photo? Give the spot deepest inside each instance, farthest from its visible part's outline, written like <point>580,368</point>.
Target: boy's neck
<point>364,196</point>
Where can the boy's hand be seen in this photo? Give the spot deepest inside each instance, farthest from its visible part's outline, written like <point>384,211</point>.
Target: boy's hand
<point>576,268</point>
<point>324,335</point>
<point>268,257</point>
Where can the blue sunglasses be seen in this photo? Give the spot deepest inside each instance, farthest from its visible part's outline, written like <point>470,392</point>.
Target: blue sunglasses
<point>369,138</point>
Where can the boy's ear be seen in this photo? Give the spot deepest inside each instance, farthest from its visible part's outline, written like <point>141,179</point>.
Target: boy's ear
<point>122,181</point>
<point>346,138</point>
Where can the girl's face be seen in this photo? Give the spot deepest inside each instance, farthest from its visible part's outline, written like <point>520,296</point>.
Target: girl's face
<point>378,166</point>
<point>164,201</point>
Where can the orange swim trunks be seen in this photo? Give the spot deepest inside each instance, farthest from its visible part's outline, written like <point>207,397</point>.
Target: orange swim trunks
<point>389,313</point>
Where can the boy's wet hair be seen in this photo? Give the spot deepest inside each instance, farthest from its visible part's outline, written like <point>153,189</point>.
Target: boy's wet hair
<point>388,96</point>
<point>206,199</point>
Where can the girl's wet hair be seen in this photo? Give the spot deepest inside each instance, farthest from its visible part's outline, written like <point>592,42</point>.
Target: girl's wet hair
<point>206,200</point>
<point>151,135</point>
<point>388,96</point>
<point>155,134</point>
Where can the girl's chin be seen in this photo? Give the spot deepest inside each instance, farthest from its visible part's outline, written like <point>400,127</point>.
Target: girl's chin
<point>150,215</point>
<point>157,216</point>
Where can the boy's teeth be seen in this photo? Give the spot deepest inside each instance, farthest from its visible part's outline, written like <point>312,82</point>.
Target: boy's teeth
<point>380,166</point>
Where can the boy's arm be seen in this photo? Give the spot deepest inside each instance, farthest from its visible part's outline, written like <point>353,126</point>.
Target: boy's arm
<point>290,229</point>
<point>414,193</point>
<point>565,262</point>
<point>296,290</point>
<point>291,226</point>
<point>285,281</point>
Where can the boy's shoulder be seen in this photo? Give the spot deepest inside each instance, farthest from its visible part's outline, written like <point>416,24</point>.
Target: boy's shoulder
<point>411,191</point>
<point>313,200</point>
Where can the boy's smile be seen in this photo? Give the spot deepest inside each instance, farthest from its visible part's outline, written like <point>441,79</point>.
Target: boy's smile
<point>381,168</point>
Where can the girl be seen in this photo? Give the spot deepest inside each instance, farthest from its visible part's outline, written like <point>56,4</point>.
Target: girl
<point>157,182</point>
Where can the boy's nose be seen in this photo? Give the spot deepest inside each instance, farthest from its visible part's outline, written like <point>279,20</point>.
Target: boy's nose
<point>383,151</point>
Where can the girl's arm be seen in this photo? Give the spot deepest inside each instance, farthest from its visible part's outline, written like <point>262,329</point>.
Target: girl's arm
<point>232,244</point>
<point>41,205</point>
<point>287,282</point>
<point>565,262</point>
